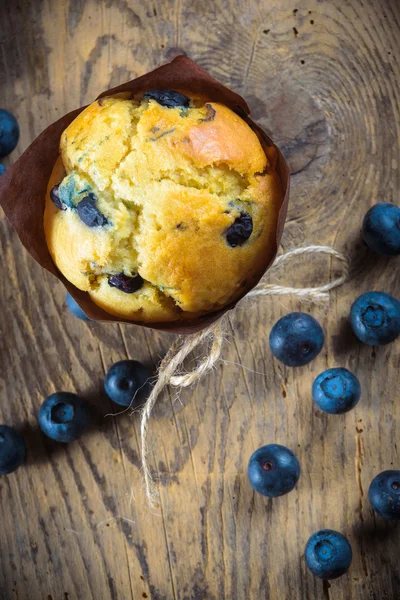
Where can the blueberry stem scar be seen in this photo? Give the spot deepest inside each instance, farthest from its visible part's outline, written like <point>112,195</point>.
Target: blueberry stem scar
<point>267,466</point>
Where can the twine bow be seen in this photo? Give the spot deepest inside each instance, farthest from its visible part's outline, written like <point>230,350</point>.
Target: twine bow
<point>170,365</point>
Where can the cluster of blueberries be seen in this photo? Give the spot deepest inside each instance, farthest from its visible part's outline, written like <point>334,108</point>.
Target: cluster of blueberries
<point>64,416</point>
<point>295,340</point>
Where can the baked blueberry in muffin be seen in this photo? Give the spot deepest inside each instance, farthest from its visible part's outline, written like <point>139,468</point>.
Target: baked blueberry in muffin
<point>162,206</point>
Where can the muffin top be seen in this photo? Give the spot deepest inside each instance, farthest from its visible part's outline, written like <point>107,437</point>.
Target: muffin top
<point>163,206</point>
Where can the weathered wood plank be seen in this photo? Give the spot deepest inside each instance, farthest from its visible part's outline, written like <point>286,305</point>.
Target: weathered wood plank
<point>322,77</point>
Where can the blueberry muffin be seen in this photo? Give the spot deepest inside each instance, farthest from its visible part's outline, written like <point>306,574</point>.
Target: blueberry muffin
<point>163,206</point>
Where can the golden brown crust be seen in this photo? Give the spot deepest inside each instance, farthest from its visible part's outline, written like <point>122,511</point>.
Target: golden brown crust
<point>170,183</point>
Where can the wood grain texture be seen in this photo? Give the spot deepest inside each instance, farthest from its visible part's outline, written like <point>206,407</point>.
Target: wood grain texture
<point>322,77</point>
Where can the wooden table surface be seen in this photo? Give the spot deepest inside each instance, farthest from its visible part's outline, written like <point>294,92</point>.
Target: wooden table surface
<point>323,78</point>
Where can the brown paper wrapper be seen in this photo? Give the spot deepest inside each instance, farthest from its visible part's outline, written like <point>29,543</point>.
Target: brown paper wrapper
<point>23,186</point>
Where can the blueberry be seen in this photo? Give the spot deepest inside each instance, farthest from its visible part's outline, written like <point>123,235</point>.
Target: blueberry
<point>63,417</point>
<point>240,230</point>
<point>375,318</point>
<point>328,554</point>
<point>126,383</point>
<point>336,391</point>
<point>168,98</point>
<point>12,449</point>
<point>126,284</point>
<point>75,308</point>
<point>55,197</point>
<point>2,169</point>
<point>381,229</point>
<point>89,213</point>
<point>384,494</point>
<point>296,339</point>
<point>9,132</point>
<point>273,470</point>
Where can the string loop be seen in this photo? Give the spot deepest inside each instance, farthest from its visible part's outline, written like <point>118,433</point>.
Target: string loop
<point>173,360</point>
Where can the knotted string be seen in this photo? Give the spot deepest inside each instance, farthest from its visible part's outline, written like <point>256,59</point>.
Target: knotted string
<point>172,362</point>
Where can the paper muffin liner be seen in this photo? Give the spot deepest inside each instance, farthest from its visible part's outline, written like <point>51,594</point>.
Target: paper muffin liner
<point>23,186</point>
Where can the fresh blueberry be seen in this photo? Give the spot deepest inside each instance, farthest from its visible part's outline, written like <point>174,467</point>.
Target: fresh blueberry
<point>336,391</point>
<point>384,494</point>
<point>168,98</point>
<point>381,229</point>
<point>240,230</point>
<point>296,339</point>
<point>2,169</point>
<point>55,197</point>
<point>63,417</point>
<point>375,318</point>
<point>126,383</point>
<point>126,284</point>
<point>75,308</point>
<point>273,470</point>
<point>328,554</point>
<point>12,449</point>
<point>89,213</point>
<point>9,132</point>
